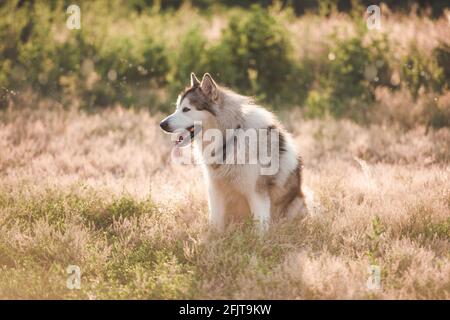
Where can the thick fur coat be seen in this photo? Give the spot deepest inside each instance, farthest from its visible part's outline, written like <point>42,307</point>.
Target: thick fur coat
<point>237,189</point>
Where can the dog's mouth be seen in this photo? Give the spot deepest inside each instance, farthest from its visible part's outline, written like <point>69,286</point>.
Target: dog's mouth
<point>184,137</point>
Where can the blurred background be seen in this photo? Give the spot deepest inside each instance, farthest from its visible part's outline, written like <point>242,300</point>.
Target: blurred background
<point>87,178</point>
<point>315,56</point>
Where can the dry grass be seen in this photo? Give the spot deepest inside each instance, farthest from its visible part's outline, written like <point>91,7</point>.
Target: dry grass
<point>99,191</point>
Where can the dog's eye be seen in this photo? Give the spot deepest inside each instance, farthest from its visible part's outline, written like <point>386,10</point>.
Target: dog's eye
<point>186,109</point>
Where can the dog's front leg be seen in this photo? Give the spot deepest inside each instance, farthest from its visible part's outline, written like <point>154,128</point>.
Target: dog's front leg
<point>217,204</point>
<point>260,207</point>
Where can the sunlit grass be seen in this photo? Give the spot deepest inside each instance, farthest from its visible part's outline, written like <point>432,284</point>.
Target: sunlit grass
<point>99,191</point>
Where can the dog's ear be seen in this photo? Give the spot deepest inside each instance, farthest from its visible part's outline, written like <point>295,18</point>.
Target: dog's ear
<point>194,81</point>
<point>209,87</point>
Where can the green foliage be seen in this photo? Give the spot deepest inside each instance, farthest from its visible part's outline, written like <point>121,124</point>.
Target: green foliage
<point>122,208</point>
<point>442,56</point>
<point>124,57</point>
<point>51,206</point>
<point>253,56</point>
<point>318,103</point>
<point>434,113</point>
<point>157,273</point>
<point>353,70</point>
<point>57,207</point>
<point>122,62</point>
<point>422,225</point>
<point>300,7</point>
<point>260,55</point>
<point>420,71</point>
<point>192,57</point>
<point>70,64</point>
<point>375,239</point>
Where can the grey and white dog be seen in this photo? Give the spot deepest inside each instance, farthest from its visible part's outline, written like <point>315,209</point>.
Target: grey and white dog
<point>239,183</point>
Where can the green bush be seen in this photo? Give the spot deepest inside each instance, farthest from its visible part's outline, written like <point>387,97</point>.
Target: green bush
<point>434,112</point>
<point>122,62</point>
<point>37,54</point>
<point>75,65</point>
<point>192,57</point>
<point>318,103</point>
<point>139,56</point>
<point>255,56</point>
<point>442,55</point>
<point>351,72</point>
<point>299,7</point>
<point>422,72</point>
<point>13,27</point>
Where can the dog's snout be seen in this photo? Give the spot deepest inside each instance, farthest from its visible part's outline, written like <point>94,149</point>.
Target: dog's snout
<point>165,125</point>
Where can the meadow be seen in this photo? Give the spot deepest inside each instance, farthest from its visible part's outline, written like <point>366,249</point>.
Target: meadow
<point>87,178</point>
<point>99,191</point>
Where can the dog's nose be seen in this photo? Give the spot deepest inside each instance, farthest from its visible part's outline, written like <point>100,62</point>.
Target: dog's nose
<point>164,125</point>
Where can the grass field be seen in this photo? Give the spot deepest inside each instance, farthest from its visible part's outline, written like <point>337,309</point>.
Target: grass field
<point>99,190</point>
<point>87,179</point>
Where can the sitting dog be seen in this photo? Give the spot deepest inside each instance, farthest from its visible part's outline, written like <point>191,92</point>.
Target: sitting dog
<point>239,181</point>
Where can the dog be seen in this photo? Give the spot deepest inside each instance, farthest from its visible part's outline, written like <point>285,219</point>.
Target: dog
<point>237,189</point>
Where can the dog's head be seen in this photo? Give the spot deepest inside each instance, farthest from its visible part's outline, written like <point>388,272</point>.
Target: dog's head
<point>196,104</point>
